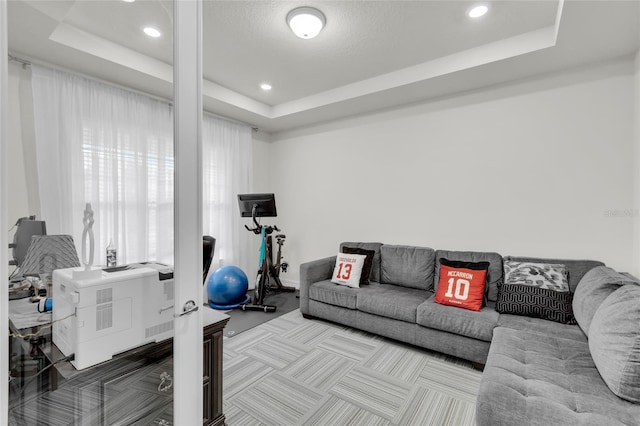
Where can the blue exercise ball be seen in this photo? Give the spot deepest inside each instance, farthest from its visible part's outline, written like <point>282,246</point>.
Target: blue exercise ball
<point>227,288</point>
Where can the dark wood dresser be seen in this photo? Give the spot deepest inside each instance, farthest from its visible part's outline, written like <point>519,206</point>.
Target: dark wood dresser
<point>134,387</point>
<point>212,356</point>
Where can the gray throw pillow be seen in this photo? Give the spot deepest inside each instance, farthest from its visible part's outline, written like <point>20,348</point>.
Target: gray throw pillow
<point>594,287</point>
<point>614,342</point>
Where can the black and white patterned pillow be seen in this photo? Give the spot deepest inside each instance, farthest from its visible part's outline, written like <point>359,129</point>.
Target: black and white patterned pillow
<point>552,276</point>
<point>536,290</point>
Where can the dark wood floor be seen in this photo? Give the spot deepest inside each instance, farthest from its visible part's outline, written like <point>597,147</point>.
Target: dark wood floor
<point>123,391</point>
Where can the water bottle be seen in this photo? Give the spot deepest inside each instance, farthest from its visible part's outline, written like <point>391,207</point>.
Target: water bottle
<point>112,258</point>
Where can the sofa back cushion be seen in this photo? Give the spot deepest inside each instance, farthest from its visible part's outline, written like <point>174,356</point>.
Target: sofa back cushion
<point>576,268</point>
<point>595,286</point>
<point>375,268</point>
<point>614,341</point>
<point>496,272</point>
<point>407,266</point>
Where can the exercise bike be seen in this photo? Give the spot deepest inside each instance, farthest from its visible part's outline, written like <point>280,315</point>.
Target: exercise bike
<point>268,276</point>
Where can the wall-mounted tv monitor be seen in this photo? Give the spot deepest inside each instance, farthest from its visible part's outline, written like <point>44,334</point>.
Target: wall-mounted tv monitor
<point>27,228</point>
<point>264,204</point>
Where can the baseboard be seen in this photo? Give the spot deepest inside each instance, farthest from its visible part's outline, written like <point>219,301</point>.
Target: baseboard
<point>290,283</point>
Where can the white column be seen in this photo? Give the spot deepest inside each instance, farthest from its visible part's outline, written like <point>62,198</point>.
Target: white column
<point>187,80</point>
<point>636,167</point>
<point>4,261</point>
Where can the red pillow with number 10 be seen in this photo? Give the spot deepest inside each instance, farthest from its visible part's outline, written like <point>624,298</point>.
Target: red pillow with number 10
<point>461,287</point>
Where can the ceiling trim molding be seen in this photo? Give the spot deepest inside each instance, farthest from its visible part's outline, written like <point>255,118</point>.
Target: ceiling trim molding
<point>482,55</point>
<point>521,44</point>
<point>83,41</point>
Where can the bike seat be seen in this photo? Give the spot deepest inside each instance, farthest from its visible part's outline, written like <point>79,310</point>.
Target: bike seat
<point>281,236</point>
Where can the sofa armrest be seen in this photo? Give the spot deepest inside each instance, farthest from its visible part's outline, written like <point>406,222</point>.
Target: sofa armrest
<point>312,272</point>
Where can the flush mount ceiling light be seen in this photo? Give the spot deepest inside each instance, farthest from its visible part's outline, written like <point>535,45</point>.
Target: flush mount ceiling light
<point>306,22</point>
<point>151,32</point>
<point>265,86</point>
<point>478,11</point>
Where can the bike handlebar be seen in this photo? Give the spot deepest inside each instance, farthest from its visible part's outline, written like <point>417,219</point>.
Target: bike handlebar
<point>257,228</point>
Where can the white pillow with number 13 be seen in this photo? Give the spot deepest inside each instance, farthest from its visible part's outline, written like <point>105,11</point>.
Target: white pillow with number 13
<point>348,269</point>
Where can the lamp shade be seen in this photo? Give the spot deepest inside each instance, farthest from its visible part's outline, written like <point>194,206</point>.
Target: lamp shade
<point>306,22</point>
<point>49,252</point>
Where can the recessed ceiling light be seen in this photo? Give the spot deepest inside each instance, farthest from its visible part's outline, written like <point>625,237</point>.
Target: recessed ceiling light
<point>151,32</point>
<point>306,22</point>
<point>265,86</point>
<point>478,11</point>
<point>128,1</point>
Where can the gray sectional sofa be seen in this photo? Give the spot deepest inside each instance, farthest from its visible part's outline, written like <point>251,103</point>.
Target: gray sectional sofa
<point>535,371</point>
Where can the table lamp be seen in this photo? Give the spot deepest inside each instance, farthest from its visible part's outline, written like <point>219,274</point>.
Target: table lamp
<point>47,253</point>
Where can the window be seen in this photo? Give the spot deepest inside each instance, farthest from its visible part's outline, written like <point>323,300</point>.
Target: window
<point>114,149</point>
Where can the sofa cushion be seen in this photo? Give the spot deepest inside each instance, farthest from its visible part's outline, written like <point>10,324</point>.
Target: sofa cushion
<point>333,294</point>
<point>594,288</point>
<point>368,263</point>
<point>544,379</point>
<point>538,325</point>
<point>407,266</point>
<point>375,268</point>
<point>462,284</point>
<point>475,324</point>
<point>614,341</point>
<point>348,269</point>
<point>391,301</point>
<point>576,268</point>
<point>496,273</point>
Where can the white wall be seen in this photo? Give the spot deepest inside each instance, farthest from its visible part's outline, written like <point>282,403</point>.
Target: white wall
<point>542,167</point>
<point>545,167</point>
<point>261,163</point>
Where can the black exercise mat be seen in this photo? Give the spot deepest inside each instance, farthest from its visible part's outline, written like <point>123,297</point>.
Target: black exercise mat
<point>240,321</point>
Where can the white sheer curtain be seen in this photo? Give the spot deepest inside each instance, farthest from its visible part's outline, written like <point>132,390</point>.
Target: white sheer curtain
<point>109,147</point>
<point>113,148</point>
<point>227,172</point>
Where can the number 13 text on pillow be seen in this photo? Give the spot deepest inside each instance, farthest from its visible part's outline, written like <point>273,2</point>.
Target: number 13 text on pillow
<point>348,269</point>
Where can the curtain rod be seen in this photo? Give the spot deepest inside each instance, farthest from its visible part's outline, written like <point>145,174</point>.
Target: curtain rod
<point>213,114</point>
<point>26,63</point>
<point>16,59</point>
